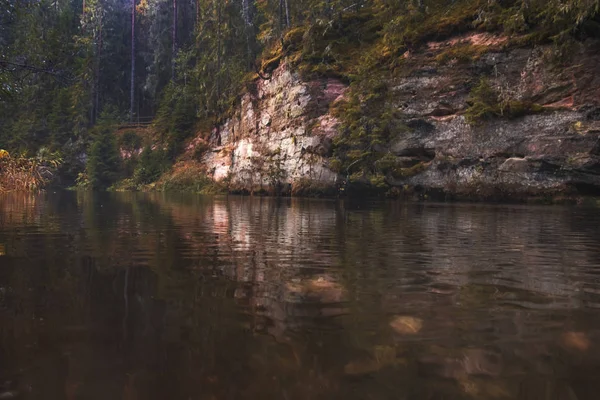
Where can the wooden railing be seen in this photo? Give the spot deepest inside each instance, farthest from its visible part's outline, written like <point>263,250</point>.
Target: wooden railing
<point>138,122</point>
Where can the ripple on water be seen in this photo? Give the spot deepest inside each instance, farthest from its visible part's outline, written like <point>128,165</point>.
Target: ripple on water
<point>221,297</point>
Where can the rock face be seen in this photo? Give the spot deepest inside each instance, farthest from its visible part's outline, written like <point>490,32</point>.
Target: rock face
<point>554,150</point>
<point>280,136</point>
<point>282,132</point>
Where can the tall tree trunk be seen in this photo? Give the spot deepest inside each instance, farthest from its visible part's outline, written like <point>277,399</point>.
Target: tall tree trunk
<point>218,51</point>
<point>246,12</point>
<point>97,71</point>
<point>174,40</point>
<point>287,14</point>
<point>197,15</point>
<point>197,32</point>
<point>281,15</point>
<point>132,88</point>
<point>247,26</point>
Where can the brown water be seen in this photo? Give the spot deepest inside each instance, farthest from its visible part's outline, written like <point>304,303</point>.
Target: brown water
<point>125,296</point>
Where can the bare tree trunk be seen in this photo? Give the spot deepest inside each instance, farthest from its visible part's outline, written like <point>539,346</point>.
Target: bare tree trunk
<point>246,12</point>
<point>281,15</point>
<point>132,89</point>
<point>197,32</point>
<point>218,50</point>
<point>197,14</point>
<point>174,39</point>
<point>97,72</point>
<point>247,26</point>
<point>287,14</point>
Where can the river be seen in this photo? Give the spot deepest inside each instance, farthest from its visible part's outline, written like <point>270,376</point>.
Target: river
<point>154,296</point>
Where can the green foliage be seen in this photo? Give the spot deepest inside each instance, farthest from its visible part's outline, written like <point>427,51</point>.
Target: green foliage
<point>465,53</point>
<point>189,183</point>
<point>189,177</point>
<point>485,103</point>
<point>151,165</point>
<point>103,164</point>
<point>130,141</point>
<point>369,121</point>
<point>176,115</point>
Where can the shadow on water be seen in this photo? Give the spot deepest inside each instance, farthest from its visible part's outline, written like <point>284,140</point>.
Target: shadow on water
<point>149,296</point>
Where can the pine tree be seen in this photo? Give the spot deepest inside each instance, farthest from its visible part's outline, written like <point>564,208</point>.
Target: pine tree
<point>104,161</point>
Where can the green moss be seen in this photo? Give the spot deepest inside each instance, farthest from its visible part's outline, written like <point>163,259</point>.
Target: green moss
<point>378,181</point>
<point>463,53</point>
<point>515,108</point>
<point>193,183</point>
<point>270,64</point>
<point>410,171</point>
<point>292,41</point>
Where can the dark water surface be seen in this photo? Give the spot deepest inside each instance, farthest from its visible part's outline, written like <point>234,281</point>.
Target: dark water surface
<point>137,296</point>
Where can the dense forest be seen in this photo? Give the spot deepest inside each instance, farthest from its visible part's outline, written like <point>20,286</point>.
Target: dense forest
<point>72,70</point>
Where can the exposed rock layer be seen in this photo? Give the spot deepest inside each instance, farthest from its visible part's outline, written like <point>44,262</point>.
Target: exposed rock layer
<point>282,133</point>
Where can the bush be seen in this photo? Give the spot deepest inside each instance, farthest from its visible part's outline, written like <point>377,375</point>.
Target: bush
<point>130,141</point>
<point>486,103</point>
<point>151,165</point>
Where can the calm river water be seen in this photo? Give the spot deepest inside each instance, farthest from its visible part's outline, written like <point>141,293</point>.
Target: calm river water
<point>148,296</point>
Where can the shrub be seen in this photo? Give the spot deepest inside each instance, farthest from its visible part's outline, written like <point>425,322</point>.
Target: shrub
<point>130,141</point>
<point>151,165</point>
<point>485,103</point>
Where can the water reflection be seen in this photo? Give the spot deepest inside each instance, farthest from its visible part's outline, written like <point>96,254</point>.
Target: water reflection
<point>148,296</point>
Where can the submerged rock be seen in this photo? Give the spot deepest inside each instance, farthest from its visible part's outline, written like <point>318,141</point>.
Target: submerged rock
<point>470,362</point>
<point>383,356</point>
<point>576,340</point>
<point>406,325</point>
<point>322,288</point>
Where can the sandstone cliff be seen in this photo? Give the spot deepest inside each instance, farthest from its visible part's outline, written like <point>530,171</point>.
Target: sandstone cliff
<point>545,143</point>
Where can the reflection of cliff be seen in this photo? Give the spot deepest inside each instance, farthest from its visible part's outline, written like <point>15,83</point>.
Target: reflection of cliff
<point>280,252</point>
<point>142,296</point>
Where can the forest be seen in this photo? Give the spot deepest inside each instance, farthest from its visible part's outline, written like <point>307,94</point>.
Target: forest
<point>71,71</point>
